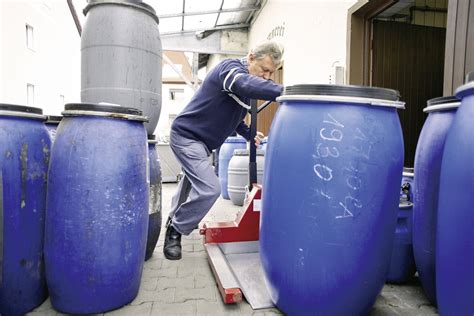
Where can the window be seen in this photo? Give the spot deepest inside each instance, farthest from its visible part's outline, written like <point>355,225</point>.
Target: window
<point>29,37</point>
<point>177,94</point>
<point>30,94</point>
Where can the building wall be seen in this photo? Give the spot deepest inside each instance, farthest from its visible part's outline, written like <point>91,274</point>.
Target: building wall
<point>171,107</point>
<point>313,33</point>
<point>52,66</point>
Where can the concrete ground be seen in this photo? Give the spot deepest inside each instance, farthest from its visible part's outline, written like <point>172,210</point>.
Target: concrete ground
<point>188,287</point>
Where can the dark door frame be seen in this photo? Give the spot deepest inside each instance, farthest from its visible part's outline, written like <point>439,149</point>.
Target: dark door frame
<point>359,39</point>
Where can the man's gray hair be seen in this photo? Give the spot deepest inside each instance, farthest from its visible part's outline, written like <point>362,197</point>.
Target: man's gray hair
<point>269,48</point>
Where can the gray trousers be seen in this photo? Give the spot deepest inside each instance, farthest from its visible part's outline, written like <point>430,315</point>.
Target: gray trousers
<point>198,190</point>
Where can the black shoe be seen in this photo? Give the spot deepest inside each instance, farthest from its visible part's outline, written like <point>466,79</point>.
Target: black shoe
<point>172,247</point>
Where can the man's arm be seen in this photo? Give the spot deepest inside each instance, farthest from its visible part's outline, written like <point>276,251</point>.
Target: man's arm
<point>243,130</point>
<point>235,79</point>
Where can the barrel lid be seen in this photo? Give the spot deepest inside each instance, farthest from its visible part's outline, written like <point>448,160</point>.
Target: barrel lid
<point>342,93</point>
<point>21,111</point>
<point>103,109</point>
<point>343,90</point>
<point>235,139</point>
<point>245,152</point>
<point>468,85</point>
<point>132,3</point>
<point>53,119</point>
<point>442,104</point>
<point>152,139</point>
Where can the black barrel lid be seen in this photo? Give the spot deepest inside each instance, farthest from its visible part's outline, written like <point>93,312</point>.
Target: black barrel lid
<point>93,107</point>
<point>343,90</point>
<point>53,119</point>
<point>442,100</point>
<point>20,108</point>
<point>151,137</point>
<point>134,3</point>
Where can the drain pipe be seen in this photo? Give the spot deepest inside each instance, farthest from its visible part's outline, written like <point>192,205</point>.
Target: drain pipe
<point>74,16</point>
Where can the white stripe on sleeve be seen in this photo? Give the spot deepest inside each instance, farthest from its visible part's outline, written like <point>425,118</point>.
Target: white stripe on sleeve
<point>233,96</point>
<point>227,77</point>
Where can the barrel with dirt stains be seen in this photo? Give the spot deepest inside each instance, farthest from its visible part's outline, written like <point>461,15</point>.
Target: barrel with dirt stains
<point>97,218</point>
<point>333,169</point>
<point>154,209</point>
<point>24,158</point>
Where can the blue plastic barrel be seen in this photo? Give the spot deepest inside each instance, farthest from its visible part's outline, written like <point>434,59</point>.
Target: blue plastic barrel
<point>428,156</point>
<point>334,166</point>
<point>402,263</point>
<point>225,154</point>
<point>154,208</point>
<point>24,158</point>
<point>97,213</point>
<point>51,123</point>
<point>455,226</point>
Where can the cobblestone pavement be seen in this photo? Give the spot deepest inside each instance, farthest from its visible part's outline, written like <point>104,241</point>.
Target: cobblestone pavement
<point>188,287</point>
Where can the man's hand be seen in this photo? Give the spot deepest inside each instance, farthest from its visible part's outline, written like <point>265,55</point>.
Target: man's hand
<point>258,138</point>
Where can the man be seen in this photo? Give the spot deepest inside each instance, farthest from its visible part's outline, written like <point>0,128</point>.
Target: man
<point>216,110</point>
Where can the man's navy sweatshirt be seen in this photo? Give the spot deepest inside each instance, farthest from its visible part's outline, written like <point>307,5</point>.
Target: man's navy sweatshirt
<point>219,106</point>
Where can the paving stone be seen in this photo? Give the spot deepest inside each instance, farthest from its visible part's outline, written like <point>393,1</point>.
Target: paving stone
<point>217,308</point>
<point>186,308</point>
<point>193,271</point>
<point>148,284</point>
<point>207,293</point>
<point>201,281</point>
<point>143,309</point>
<point>185,283</point>
<point>165,296</point>
<point>170,272</point>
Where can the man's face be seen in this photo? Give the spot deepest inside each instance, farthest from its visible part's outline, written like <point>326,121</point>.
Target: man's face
<point>263,68</point>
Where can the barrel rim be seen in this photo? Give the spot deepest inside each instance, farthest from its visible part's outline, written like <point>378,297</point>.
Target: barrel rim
<point>20,108</point>
<point>131,3</point>
<point>23,115</point>
<point>235,139</point>
<point>246,152</point>
<point>102,107</point>
<point>465,87</point>
<point>342,99</point>
<point>343,91</point>
<point>112,115</point>
<point>442,107</point>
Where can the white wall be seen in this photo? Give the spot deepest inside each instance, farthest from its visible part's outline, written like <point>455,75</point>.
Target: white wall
<point>171,107</point>
<point>53,67</point>
<point>313,33</point>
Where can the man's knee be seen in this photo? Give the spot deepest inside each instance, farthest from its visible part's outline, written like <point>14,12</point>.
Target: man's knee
<point>214,189</point>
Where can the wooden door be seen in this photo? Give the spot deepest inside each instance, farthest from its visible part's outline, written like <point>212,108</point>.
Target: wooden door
<point>410,59</point>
